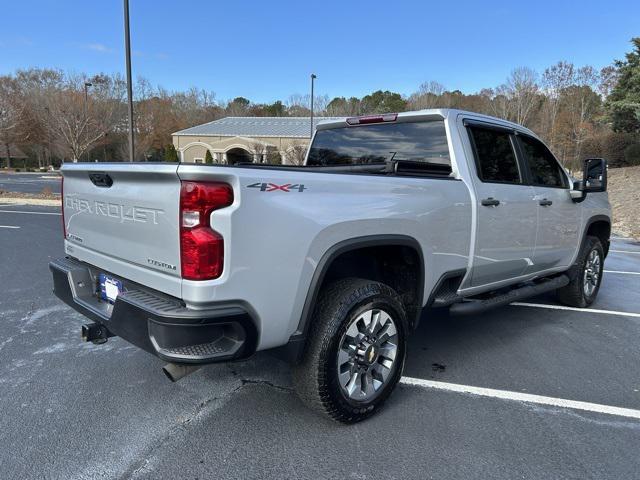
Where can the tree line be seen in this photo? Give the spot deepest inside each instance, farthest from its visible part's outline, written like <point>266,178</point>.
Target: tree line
<point>55,116</point>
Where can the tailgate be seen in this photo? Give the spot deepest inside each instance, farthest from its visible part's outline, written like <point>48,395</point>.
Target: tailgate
<point>124,218</point>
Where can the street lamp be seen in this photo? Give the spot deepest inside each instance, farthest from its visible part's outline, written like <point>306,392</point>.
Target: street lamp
<point>127,47</point>
<point>48,128</point>
<point>86,102</point>
<point>313,77</point>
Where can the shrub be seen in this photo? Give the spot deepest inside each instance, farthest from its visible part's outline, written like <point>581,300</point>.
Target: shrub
<point>170,154</point>
<point>614,145</point>
<point>632,154</point>
<point>274,158</point>
<point>592,147</point>
<point>208,158</point>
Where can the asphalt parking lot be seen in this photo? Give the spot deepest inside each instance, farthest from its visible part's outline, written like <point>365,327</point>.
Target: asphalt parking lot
<point>30,182</point>
<point>77,411</point>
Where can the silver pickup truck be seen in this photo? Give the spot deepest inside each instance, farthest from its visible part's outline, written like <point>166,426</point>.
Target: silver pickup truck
<point>330,264</point>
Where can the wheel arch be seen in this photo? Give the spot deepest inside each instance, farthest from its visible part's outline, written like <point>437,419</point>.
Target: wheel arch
<point>598,226</point>
<point>292,351</point>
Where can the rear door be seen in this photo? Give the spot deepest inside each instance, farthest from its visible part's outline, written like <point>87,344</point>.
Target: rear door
<point>506,212</point>
<point>558,215</point>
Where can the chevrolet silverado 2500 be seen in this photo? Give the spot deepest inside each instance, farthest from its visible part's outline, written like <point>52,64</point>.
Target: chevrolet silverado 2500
<point>331,263</point>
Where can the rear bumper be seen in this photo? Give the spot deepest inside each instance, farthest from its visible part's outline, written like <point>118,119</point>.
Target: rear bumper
<point>155,322</point>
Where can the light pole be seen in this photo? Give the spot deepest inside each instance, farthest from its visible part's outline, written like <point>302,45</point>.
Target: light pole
<point>127,47</point>
<point>48,128</point>
<point>86,103</point>
<point>313,77</point>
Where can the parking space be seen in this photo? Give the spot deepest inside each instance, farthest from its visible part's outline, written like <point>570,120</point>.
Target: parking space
<point>74,410</point>
<point>30,182</point>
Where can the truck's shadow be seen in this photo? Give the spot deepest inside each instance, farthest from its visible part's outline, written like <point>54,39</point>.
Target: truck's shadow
<point>445,345</point>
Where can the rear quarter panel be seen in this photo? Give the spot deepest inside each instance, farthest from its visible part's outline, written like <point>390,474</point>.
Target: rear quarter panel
<point>275,239</point>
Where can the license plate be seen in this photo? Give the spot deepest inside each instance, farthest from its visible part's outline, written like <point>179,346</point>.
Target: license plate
<point>109,288</point>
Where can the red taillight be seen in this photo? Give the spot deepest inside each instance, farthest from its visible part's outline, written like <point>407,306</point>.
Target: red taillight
<point>64,225</point>
<point>201,247</point>
<point>387,117</point>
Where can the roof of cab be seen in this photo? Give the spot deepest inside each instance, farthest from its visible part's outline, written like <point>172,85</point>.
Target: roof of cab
<point>444,113</point>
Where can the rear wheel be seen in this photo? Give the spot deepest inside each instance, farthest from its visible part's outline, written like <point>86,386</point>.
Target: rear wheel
<point>586,275</point>
<point>355,355</point>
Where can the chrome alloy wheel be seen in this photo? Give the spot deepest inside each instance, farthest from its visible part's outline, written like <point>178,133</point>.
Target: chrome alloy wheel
<point>592,272</point>
<point>367,354</point>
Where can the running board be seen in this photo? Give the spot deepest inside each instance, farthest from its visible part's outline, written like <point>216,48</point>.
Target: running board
<point>471,307</point>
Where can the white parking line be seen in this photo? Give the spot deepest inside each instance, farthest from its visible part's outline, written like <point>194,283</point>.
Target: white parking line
<point>575,309</point>
<point>622,273</point>
<point>625,251</point>
<point>30,213</point>
<point>8,226</point>
<point>522,397</point>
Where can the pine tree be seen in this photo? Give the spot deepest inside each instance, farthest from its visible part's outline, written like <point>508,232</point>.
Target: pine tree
<point>624,102</point>
<point>170,154</point>
<point>208,158</point>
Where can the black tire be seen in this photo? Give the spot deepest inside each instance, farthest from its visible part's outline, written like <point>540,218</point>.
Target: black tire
<point>573,294</point>
<point>340,306</point>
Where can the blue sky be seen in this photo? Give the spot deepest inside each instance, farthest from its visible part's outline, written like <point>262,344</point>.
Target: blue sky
<point>265,50</point>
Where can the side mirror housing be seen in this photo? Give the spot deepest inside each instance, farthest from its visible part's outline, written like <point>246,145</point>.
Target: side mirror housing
<point>577,192</point>
<point>594,177</point>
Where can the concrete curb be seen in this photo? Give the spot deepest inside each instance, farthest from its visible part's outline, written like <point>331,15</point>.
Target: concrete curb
<point>43,202</point>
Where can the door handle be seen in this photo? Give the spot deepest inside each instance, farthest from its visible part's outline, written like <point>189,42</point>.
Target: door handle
<point>545,203</point>
<point>490,202</point>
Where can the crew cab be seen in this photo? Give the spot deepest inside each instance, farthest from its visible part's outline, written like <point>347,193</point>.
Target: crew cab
<point>330,264</point>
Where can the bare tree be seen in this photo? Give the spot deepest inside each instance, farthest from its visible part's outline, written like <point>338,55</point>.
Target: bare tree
<point>34,85</point>
<point>300,105</point>
<point>522,90</point>
<point>145,119</point>
<point>77,122</point>
<point>584,102</point>
<point>429,95</point>
<point>500,101</point>
<point>196,106</point>
<point>608,80</point>
<point>258,149</point>
<point>555,80</point>
<point>12,116</point>
<point>296,153</point>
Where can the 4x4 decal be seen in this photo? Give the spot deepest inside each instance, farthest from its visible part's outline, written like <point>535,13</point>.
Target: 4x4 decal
<point>272,187</point>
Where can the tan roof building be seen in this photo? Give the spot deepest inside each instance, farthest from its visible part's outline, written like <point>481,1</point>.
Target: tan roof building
<point>247,139</point>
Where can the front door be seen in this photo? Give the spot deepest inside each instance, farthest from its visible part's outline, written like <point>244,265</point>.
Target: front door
<point>558,215</point>
<point>507,216</point>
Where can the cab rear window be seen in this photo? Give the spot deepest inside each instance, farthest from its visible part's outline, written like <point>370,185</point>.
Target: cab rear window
<point>372,144</point>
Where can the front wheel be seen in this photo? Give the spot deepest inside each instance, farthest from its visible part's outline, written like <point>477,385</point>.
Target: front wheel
<point>586,275</point>
<point>356,352</point>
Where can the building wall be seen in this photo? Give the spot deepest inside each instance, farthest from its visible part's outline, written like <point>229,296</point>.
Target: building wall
<point>192,147</point>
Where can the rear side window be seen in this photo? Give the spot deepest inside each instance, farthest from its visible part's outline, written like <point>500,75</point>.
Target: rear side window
<point>545,169</point>
<point>414,141</point>
<point>495,156</point>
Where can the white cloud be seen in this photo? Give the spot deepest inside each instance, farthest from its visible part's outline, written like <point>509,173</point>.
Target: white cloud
<point>98,47</point>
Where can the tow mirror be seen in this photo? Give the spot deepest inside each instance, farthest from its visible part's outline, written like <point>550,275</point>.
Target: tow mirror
<point>594,179</point>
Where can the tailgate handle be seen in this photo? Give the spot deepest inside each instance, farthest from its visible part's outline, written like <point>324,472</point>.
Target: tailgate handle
<point>101,180</point>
